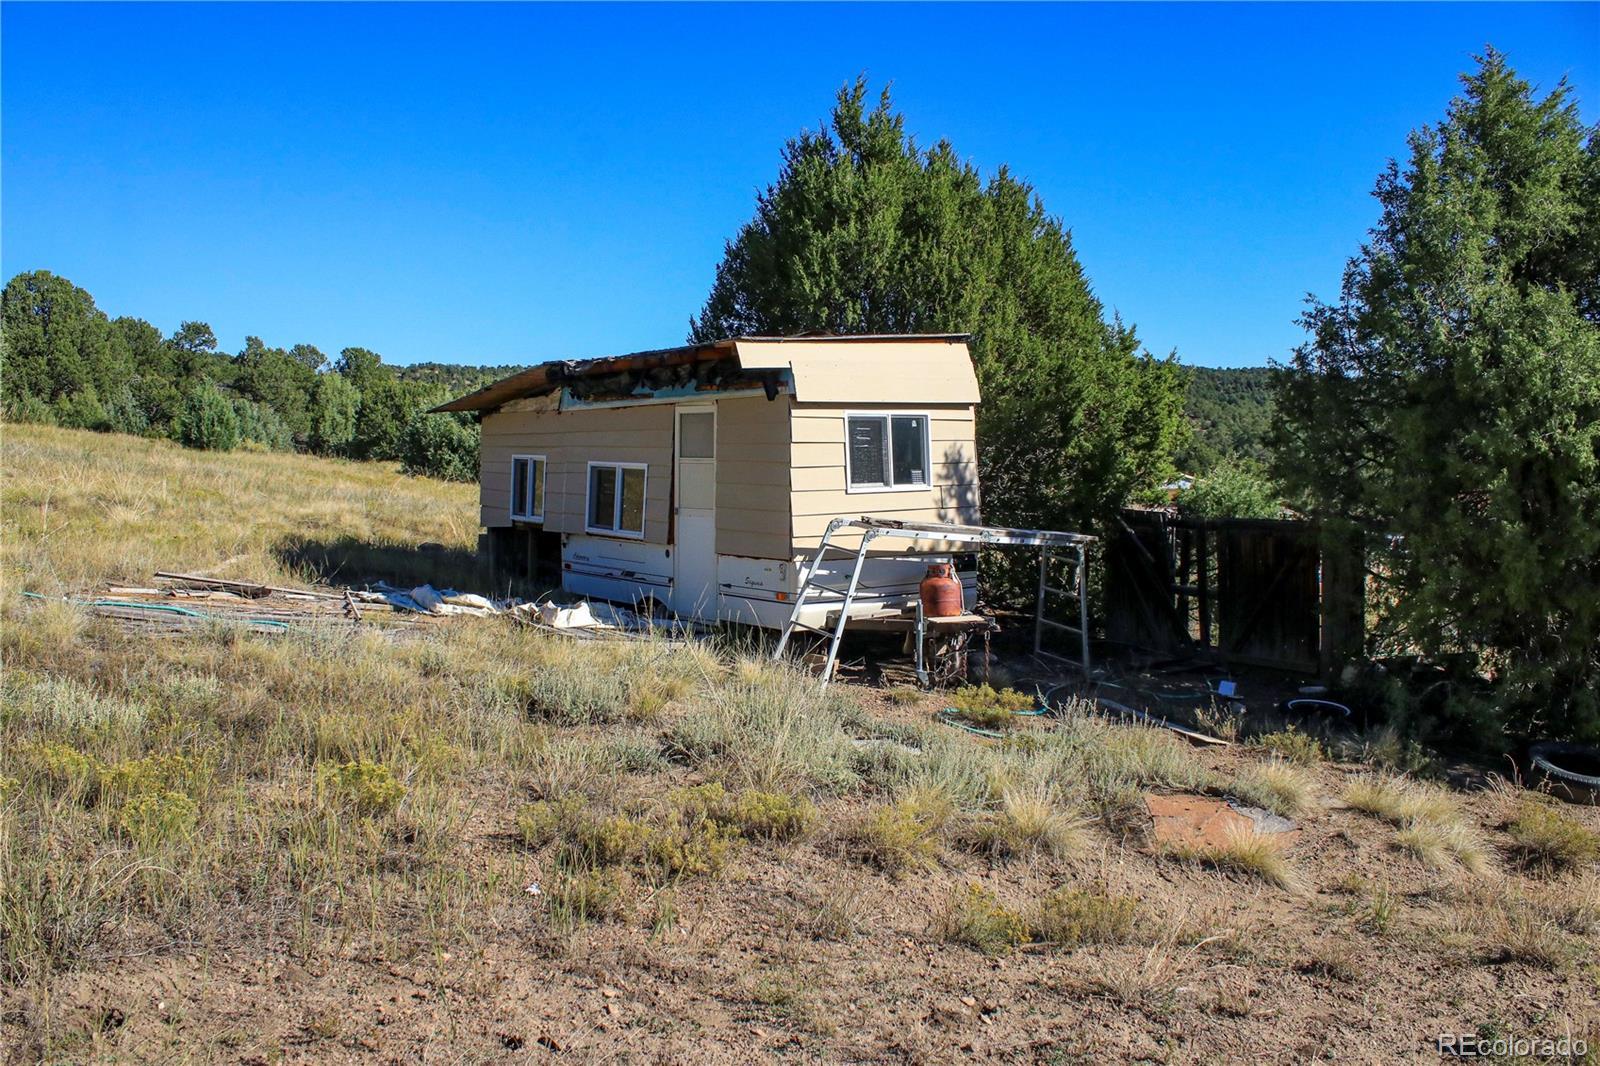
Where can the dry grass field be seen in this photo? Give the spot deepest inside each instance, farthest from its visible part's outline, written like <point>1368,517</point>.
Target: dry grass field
<point>480,843</point>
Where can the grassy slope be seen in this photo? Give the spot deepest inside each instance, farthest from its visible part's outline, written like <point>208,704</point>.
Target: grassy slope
<point>81,508</point>
<point>319,845</point>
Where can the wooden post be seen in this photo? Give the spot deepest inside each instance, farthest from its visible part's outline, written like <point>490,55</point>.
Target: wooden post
<point>1344,601</point>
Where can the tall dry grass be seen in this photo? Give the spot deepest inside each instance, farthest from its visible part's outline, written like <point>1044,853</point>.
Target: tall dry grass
<point>82,508</point>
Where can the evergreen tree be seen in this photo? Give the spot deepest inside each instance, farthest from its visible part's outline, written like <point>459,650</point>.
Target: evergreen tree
<point>333,414</point>
<point>1450,402</point>
<point>863,232</point>
<point>276,378</point>
<point>442,446</point>
<point>56,342</point>
<point>208,420</point>
<point>387,406</point>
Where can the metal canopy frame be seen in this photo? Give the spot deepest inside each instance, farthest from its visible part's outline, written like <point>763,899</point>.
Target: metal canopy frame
<point>1052,544</point>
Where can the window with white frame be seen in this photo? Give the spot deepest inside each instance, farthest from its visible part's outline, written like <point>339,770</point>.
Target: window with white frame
<point>616,499</point>
<point>527,487</point>
<point>888,451</point>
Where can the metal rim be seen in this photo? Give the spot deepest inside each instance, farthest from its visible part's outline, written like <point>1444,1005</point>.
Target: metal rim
<point>1306,704</point>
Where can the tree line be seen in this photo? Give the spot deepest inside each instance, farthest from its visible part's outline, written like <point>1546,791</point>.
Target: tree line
<point>66,362</point>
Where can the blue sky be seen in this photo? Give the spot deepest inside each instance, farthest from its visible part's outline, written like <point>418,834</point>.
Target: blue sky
<point>506,184</point>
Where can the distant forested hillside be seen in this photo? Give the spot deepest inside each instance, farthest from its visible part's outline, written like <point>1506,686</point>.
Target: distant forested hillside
<point>67,363</point>
<point>1230,411</point>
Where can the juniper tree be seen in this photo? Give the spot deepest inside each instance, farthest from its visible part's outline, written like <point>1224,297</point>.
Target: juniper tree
<point>863,232</point>
<point>1449,402</point>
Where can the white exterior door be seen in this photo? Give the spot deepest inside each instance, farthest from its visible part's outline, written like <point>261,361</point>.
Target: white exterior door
<point>694,509</point>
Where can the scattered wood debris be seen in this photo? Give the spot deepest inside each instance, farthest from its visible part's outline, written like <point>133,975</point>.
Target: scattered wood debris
<point>177,603</point>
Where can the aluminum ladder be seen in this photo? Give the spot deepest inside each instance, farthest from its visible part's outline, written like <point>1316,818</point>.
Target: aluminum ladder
<point>810,581</point>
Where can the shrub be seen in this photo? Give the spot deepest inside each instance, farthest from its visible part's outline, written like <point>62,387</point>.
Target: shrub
<point>610,841</point>
<point>29,408</point>
<point>1430,821</point>
<point>124,413</point>
<point>1276,785</point>
<point>988,709</point>
<point>586,895</point>
<point>768,815</point>
<point>188,774</point>
<point>688,835</point>
<point>260,424</point>
<point>547,821</point>
<point>1235,489</point>
<point>1550,840</point>
<point>1070,917</point>
<point>68,770</point>
<point>903,835</point>
<point>1299,748</point>
<point>81,409</point>
<point>208,420</point>
<point>1030,821</point>
<point>150,818</point>
<point>975,916</point>
<point>690,849</point>
<point>334,404</point>
<point>440,446</point>
<point>365,787</point>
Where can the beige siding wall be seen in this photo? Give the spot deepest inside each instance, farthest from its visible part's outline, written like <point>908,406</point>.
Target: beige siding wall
<point>819,480</point>
<point>753,477</point>
<point>570,440</point>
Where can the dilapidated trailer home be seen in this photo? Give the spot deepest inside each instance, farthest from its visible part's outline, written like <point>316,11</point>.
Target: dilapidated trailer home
<point>703,477</point>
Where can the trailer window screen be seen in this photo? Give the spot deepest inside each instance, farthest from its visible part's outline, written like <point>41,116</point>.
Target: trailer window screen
<point>527,487</point>
<point>616,499</point>
<point>888,451</point>
<point>697,436</point>
<point>910,464</point>
<point>866,450</point>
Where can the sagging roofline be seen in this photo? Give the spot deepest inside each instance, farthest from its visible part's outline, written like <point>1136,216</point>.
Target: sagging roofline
<point>551,376</point>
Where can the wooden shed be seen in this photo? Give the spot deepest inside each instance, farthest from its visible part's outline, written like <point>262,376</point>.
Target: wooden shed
<point>703,476</point>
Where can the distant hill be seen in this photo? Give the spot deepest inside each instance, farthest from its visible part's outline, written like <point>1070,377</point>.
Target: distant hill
<point>458,379</point>
<point>1231,411</point>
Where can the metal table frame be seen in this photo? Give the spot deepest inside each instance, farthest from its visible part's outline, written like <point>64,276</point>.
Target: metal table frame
<point>1052,544</point>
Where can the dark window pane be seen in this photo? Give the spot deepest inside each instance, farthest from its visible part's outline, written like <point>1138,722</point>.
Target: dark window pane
<point>602,496</point>
<point>538,487</point>
<point>910,450</point>
<point>866,451</point>
<point>632,502</point>
<point>519,486</point>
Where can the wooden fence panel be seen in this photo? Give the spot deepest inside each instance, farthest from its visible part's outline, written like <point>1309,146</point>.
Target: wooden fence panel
<point>1268,599</point>
<point>1238,590</point>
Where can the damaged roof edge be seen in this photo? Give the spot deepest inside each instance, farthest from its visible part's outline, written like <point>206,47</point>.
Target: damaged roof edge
<point>547,377</point>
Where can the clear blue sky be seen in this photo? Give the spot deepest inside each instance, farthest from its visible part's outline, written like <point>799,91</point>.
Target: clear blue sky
<point>506,184</point>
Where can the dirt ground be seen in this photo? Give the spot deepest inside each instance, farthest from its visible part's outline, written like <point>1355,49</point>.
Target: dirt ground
<point>1230,969</point>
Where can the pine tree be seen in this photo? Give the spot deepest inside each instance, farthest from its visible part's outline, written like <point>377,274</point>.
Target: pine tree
<point>863,232</point>
<point>1450,403</point>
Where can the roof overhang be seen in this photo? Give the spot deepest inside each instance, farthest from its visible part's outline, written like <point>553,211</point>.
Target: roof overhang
<point>822,369</point>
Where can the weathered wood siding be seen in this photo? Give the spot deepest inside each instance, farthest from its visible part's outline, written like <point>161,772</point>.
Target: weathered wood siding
<point>753,477</point>
<point>569,441</point>
<point>819,477</point>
